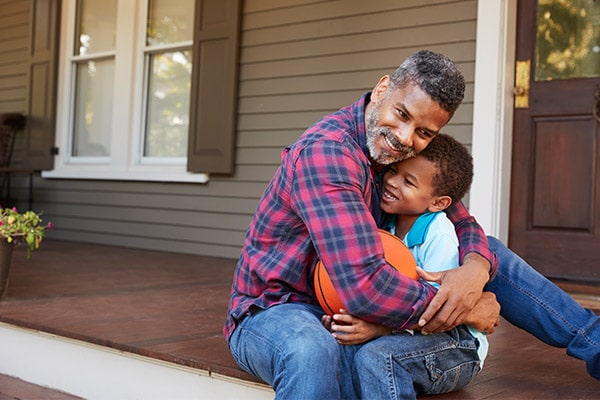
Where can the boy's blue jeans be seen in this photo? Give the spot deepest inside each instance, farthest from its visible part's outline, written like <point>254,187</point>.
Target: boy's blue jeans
<point>402,366</point>
<point>287,347</point>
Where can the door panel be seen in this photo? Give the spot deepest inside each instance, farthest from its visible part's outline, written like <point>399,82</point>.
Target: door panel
<point>555,196</point>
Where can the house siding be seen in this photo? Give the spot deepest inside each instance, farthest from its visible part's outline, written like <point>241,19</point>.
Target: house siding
<point>14,52</point>
<point>299,61</point>
<point>14,32</point>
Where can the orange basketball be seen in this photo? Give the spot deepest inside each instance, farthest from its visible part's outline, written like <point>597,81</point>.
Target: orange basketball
<point>396,254</point>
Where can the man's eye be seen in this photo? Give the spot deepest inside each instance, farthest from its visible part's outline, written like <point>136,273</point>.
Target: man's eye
<point>402,114</point>
<point>426,134</point>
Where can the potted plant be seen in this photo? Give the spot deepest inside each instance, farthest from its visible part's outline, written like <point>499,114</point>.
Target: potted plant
<point>18,228</point>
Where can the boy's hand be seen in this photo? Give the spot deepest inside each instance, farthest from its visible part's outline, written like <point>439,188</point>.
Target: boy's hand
<point>349,330</point>
<point>326,321</point>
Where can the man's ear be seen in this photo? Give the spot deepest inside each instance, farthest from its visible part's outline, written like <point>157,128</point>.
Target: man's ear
<point>440,203</point>
<point>380,89</point>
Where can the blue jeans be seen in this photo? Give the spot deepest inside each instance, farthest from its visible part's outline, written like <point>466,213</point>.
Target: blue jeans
<point>402,366</point>
<point>287,347</point>
<point>531,302</point>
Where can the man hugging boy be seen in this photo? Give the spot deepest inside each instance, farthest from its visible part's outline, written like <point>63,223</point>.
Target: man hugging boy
<point>416,192</point>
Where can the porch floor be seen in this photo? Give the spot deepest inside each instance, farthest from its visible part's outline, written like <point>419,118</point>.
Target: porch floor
<point>171,307</point>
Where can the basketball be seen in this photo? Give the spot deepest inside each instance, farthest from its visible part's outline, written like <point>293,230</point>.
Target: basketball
<point>396,254</point>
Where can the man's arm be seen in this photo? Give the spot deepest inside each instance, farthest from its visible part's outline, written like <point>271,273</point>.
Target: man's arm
<point>461,288</point>
<point>330,191</point>
<point>485,316</point>
<point>471,237</point>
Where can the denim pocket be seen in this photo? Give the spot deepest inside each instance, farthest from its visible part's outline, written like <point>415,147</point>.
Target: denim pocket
<point>453,364</point>
<point>446,375</point>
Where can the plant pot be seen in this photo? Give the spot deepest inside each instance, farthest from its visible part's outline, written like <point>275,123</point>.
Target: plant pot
<point>6,250</point>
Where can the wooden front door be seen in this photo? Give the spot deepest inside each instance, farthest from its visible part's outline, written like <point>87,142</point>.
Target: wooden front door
<point>555,189</point>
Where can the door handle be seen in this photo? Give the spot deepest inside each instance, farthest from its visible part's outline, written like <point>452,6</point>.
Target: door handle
<point>521,89</point>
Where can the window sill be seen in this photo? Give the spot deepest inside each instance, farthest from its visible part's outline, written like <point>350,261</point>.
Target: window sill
<point>159,174</point>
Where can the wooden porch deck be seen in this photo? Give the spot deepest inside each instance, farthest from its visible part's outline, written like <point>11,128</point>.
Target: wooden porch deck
<point>171,307</point>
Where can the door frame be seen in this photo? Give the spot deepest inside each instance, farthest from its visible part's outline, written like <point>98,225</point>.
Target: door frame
<point>489,199</point>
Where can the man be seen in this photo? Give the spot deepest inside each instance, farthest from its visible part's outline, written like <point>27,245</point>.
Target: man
<point>323,202</point>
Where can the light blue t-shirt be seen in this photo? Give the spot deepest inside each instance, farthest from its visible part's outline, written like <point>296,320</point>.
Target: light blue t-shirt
<point>433,243</point>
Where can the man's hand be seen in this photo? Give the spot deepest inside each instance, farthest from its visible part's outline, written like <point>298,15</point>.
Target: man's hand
<point>485,316</point>
<point>460,290</point>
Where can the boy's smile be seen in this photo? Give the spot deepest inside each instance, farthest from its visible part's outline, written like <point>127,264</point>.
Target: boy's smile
<point>408,187</point>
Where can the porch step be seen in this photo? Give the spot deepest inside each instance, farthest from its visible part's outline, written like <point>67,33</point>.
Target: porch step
<point>74,369</point>
<point>586,294</point>
<point>12,388</point>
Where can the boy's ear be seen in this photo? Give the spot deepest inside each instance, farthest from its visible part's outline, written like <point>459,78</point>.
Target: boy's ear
<point>380,89</point>
<point>440,203</point>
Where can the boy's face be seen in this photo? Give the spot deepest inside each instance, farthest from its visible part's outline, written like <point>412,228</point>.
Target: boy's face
<point>408,187</point>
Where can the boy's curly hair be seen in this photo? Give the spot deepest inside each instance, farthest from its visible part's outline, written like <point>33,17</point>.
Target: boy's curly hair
<point>454,166</point>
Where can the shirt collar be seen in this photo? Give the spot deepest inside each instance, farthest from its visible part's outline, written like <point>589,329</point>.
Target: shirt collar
<point>418,232</point>
<point>358,110</point>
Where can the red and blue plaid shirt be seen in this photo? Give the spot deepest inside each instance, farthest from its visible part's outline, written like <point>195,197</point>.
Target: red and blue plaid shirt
<point>323,202</point>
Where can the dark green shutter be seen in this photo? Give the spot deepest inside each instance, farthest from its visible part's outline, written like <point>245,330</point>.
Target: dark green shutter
<point>41,96</point>
<point>211,146</point>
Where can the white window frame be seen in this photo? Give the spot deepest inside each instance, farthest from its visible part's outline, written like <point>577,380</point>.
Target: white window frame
<point>125,161</point>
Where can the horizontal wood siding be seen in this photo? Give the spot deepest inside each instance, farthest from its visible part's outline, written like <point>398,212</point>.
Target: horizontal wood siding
<point>299,61</point>
<point>14,31</point>
<point>14,55</point>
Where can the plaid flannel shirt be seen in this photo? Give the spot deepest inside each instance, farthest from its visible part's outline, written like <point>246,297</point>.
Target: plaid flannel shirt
<point>323,202</point>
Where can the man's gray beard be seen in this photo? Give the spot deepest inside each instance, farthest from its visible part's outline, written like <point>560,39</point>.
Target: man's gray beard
<point>373,132</point>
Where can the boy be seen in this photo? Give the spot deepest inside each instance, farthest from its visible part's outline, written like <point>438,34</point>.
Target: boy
<point>415,193</point>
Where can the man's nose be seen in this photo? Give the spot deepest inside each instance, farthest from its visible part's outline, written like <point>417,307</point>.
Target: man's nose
<point>405,135</point>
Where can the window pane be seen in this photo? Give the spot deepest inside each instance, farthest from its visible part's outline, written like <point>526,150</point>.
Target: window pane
<point>93,109</point>
<point>96,23</point>
<point>568,39</point>
<point>167,118</point>
<point>170,21</point>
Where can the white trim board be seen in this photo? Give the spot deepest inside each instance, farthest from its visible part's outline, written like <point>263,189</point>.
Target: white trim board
<point>95,372</point>
<point>493,115</point>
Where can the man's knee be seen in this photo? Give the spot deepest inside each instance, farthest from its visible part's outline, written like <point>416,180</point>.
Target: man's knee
<point>310,350</point>
<point>494,243</point>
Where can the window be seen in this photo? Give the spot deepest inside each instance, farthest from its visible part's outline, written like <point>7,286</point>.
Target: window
<point>125,83</point>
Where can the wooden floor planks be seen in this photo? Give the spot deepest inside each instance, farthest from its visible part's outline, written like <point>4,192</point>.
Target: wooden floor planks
<point>172,307</point>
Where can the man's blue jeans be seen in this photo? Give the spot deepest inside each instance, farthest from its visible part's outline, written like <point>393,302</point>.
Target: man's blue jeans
<point>531,302</point>
<point>287,347</point>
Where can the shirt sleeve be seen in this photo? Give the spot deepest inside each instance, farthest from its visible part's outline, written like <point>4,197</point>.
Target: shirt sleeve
<point>471,237</point>
<point>331,193</point>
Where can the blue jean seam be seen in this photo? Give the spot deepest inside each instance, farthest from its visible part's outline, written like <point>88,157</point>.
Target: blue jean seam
<point>390,375</point>
<point>539,302</point>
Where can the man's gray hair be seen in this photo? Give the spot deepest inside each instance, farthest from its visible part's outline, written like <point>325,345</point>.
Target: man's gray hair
<point>436,75</point>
